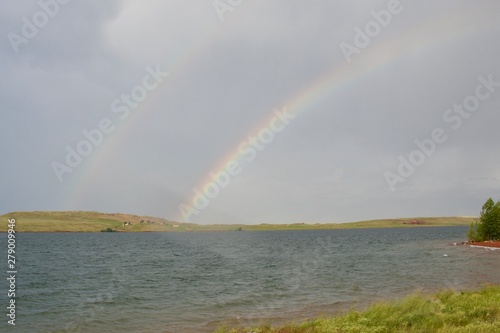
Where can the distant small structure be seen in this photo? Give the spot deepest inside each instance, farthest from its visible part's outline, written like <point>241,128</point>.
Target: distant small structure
<point>418,222</point>
<point>175,226</point>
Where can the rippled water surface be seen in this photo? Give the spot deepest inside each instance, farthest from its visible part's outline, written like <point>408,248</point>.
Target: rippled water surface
<point>192,282</point>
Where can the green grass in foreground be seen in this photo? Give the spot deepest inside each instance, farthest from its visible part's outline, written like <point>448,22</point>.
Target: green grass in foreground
<point>446,311</point>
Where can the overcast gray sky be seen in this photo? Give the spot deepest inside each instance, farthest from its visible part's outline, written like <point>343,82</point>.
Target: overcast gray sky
<point>304,111</point>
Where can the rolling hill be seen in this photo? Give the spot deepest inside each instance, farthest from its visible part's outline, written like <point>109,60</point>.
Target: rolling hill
<point>82,221</point>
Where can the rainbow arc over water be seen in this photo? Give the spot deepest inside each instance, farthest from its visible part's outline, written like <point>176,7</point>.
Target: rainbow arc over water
<point>429,35</point>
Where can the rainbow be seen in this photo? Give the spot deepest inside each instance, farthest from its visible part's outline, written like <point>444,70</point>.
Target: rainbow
<point>174,64</point>
<point>440,32</point>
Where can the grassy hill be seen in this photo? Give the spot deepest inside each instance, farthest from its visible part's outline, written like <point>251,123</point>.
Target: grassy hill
<point>77,221</point>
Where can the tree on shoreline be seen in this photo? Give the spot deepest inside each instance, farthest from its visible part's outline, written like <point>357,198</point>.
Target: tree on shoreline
<point>488,227</point>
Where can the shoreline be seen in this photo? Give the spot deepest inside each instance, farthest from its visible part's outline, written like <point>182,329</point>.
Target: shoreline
<point>486,244</point>
<point>252,228</point>
<point>330,312</point>
<point>83,221</point>
<point>427,310</point>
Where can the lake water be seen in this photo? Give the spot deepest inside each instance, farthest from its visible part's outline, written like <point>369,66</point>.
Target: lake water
<point>193,282</point>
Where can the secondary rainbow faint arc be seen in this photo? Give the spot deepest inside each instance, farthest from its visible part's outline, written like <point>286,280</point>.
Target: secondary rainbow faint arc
<point>372,58</point>
<point>369,60</point>
<point>179,61</point>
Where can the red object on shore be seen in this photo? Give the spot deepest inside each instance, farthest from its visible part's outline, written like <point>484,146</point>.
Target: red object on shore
<point>487,243</point>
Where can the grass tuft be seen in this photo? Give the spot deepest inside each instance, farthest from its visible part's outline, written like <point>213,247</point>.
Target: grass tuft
<point>446,311</point>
